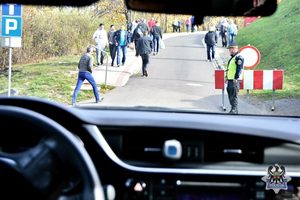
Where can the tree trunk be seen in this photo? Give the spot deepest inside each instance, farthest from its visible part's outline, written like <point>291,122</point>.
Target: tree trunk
<point>167,23</point>
<point>127,16</point>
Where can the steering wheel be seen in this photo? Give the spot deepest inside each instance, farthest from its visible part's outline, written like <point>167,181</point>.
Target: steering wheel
<point>55,165</point>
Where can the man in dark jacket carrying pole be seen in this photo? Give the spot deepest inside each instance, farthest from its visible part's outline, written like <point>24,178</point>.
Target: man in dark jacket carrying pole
<point>143,49</point>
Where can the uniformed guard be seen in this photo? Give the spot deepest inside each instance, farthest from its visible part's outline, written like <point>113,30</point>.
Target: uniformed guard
<point>233,76</point>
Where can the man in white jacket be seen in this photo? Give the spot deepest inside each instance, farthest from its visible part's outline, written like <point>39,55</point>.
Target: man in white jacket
<point>101,40</point>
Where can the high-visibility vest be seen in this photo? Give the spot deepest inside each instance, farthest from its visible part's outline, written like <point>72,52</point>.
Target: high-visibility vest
<point>231,69</point>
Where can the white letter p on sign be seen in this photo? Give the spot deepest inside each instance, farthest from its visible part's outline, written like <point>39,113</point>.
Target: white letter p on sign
<point>11,25</point>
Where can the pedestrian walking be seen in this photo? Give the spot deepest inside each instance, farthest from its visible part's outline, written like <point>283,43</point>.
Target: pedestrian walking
<point>175,25</point>
<point>134,25</point>
<point>179,26</point>
<point>232,32</point>
<point>187,24</point>
<point>151,23</point>
<point>193,23</point>
<point>157,36</point>
<point>130,40</point>
<point>112,44</point>
<point>85,73</point>
<point>101,40</point>
<point>144,25</point>
<point>143,49</point>
<point>121,38</point>
<point>211,39</point>
<point>138,32</point>
<point>233,76</point>
<point>223,32</point>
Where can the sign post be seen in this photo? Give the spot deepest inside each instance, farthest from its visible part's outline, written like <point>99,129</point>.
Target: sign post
<point>11,32</point>
<point>251,57</point>
<point>9,71</point>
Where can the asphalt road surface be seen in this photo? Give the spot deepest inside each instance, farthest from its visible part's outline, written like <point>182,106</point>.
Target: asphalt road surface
<point>179,77</point>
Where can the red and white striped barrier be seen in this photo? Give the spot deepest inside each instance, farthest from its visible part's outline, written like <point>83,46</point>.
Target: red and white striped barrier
<point>262,80</point>
<point>254,80</point>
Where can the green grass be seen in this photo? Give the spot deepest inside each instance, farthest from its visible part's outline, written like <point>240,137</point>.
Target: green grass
<point>278,39</point>
<point>54,80</point>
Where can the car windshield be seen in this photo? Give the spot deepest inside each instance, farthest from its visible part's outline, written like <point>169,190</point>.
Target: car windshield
<point>105,55</point>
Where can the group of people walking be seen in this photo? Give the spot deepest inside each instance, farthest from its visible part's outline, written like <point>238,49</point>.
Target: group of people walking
<point>145,38</point>
<point>227,32</point>
<point>117,41</point>
<point>189,23</point>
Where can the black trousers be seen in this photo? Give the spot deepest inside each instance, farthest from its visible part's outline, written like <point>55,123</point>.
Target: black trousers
<point>233,90</point>
<point>145,61</point>
<point>210,52</point>
<point>112,51</point>
<point>174,28</point>
<point>135,45</point>
<point>224,39</point>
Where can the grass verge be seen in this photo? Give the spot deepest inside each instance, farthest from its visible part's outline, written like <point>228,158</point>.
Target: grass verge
<point>277,38</point>
<point>53,79</point>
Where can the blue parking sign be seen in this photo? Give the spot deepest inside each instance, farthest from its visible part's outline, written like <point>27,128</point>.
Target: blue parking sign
<point>11,26</point>
<point>12,9</point>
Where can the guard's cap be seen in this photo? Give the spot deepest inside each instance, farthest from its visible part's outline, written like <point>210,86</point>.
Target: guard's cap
<point>232,45</point>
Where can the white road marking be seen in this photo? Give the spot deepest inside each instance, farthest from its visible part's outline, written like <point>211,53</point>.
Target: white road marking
<point>194,84</point>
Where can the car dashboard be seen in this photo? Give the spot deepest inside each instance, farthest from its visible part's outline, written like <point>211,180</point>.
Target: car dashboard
<point>164,155</point>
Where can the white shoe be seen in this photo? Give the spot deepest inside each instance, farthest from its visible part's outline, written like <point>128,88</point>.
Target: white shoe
<point>100,99</point>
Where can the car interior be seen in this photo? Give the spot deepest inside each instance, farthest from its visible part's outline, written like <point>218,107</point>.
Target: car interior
<point>51,151</point>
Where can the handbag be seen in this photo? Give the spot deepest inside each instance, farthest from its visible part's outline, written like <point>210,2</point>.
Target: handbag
<point>131,46</point>
<point>162,44</point>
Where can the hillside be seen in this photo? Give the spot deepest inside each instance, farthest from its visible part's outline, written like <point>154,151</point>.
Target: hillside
<point>278,39</point>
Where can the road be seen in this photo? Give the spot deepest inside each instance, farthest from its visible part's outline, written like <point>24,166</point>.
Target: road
<point>179,77</point>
